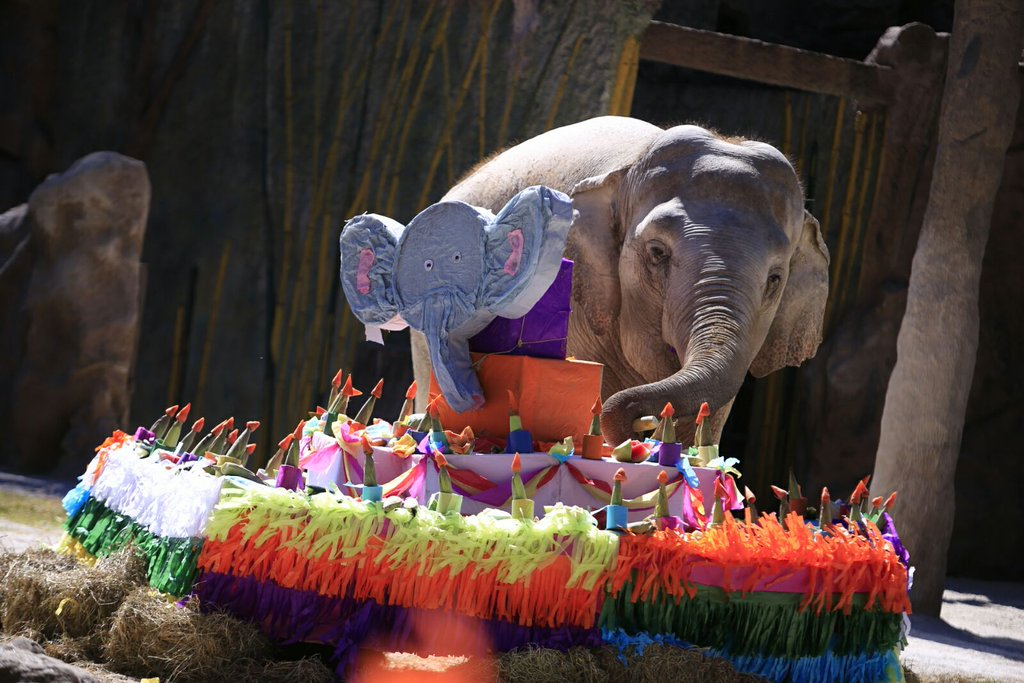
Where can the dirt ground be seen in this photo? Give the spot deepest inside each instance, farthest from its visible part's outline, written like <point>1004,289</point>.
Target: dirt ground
<point>979,638</point>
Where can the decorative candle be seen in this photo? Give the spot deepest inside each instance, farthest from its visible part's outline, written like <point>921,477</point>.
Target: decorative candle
<point>366,412</point>
<point>593,442</point>
<point>186,444</point>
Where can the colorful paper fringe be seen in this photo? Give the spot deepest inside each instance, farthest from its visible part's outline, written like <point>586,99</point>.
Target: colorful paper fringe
<point>782,601</point>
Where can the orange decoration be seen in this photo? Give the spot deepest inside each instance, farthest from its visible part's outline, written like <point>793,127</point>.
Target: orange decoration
<point>669,411</point>
<point>597,407</point>
<point>410,393</point>
<point>517,464</point>
<point>250,449</point>
<point>349,390</point>
<point>252,426</point>
<point>285,443</point>
<point>748,495</point>
<point>197,426</point>
<point>720,491</point>
<point>513,404</point>
<point>367,448</point>
<point>183,413</point>
<point>890,501</point>
<point>169,412</point>
<point>826,497</point>
<point>220,428</point>
<point>230,424</point>
<point>432,408</point>
<point>378,389</point>
<point>441,460</point>
<point>858,493</point>
<point>876,503</point>
<point>297,434</point>
<point>781,494</point>
<point>233,436</point>
<point>705,411</point>
<point>336,382</point>
<point>320,410</point>
<point>620,475</point>
<point>663,477</point>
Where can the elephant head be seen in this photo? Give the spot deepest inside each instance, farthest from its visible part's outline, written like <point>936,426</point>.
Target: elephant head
<point>451,271</point>
<point>697,262</point>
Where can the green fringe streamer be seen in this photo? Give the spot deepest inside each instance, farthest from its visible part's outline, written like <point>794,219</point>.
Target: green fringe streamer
<point>764,624</point>
<point>170,562</point>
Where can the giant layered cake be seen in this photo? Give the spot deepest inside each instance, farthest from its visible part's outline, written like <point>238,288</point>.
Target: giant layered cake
<point>497,512</point>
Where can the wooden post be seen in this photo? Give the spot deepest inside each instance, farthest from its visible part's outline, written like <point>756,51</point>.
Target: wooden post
<point>927,395</point>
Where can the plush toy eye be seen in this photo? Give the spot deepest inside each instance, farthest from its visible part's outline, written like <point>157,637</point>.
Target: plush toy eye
<point>428,265</point>
<point>457,256</point>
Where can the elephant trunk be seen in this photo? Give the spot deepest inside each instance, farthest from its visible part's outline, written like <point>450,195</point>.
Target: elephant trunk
<point>714,363</point>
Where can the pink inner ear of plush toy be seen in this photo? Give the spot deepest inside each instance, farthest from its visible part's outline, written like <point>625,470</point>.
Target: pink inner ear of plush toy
<point>366,259</point>
<point>515,240</point>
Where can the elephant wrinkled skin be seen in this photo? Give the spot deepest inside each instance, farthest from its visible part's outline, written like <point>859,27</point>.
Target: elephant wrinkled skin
<point>695,261</point>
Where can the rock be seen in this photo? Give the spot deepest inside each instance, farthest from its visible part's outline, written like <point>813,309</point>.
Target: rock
<point>22,661</point>
<point>76,314</point>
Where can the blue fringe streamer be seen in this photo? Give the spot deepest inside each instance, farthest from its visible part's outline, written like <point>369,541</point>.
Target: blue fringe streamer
<point>75,499</point>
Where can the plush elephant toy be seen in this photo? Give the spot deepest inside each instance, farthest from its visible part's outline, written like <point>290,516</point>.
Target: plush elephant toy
<point>695,261</point>
<point>451,271</point>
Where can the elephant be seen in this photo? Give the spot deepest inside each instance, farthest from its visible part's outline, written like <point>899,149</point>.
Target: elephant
<point>451,271</point>
<point>695,261</point>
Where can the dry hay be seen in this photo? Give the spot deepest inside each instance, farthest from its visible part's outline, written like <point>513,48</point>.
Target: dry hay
<point>308,670</point>
<point>38,584</point>
<point>151,636</point>
<point>581,665</point>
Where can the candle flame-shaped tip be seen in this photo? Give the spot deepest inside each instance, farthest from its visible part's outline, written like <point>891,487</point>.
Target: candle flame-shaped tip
<point>890,501</point>
<point>378,389</point>
<point>858,493</point>
<point>183,413</point>
<point>441,460</point>
<point>233,436</point>
<point>705,411</point>
<point>597,407</point>
<point>668,411</point>
<point>198,425</point>
<point>169,412</point>
<point>250,449</point>
<point>367,447</point>
<point>513,404</point>
<point>876,503</point>
<point>720,491</point>
<point>320,410</point>
<point>410,393</point>
<point>781,494</point>
<point>826,497</point>
<point>517,464</point>
<point>284,443</point>
<point>663,477</point>
<point>252,425</point>
<point>230,424</point>
<point>620,475</point>
<point>220,428</point>
<point>432,408</point>
<point>336,382</point>
<point>748,495</point>
<point>349,390</point>
<point>297,433</point>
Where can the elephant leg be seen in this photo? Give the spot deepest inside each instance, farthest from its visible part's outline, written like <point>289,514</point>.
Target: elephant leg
<point>421,368</point>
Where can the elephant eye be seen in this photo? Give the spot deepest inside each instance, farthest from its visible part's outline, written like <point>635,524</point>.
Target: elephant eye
<point>657,252</point>
<point>428,265</point>
<point>771,287</point>
<point>457,256</point>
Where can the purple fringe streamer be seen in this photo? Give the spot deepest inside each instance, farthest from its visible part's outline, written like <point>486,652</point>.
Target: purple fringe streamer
<point>290,616</point>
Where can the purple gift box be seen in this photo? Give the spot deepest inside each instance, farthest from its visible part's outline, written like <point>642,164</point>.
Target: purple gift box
<point>540,333</point>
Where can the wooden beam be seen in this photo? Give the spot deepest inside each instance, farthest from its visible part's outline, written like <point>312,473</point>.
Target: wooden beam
<point>756,60</point>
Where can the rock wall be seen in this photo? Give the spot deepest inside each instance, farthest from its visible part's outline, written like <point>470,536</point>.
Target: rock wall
<point>70,298</point>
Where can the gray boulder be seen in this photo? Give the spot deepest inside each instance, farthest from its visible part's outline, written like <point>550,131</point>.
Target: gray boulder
<point>22,661</point>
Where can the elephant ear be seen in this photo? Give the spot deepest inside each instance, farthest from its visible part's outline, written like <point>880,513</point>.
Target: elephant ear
<point>595,248</point>
<point>523,249</point>
<point>796,330</point>
<point>369,246</point>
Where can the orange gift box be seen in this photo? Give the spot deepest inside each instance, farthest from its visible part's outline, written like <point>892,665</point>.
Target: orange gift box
<point>555,397</point>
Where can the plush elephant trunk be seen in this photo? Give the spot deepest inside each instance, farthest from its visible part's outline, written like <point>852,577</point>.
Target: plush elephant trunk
<point>714,363</point>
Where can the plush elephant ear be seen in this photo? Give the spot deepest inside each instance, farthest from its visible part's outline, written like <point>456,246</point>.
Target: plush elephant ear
<point>523,249</point>
<point>796,330</point>
<point>369,246</point>
<point>595,248</point>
